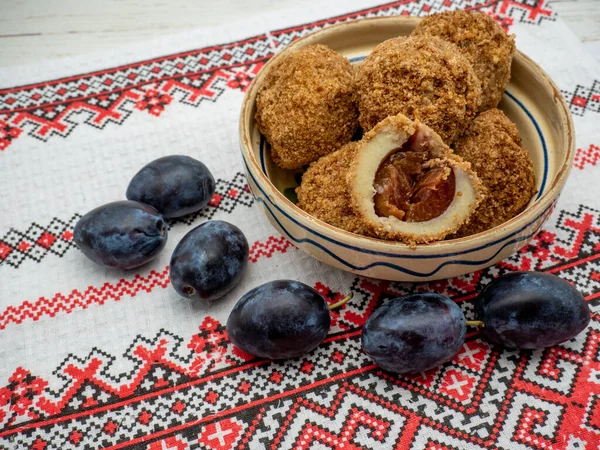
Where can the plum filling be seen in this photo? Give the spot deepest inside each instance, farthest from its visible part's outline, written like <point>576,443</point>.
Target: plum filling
<point>409,190</point>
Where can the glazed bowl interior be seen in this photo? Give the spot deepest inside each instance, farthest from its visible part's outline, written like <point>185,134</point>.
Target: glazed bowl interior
<point>531,101</point>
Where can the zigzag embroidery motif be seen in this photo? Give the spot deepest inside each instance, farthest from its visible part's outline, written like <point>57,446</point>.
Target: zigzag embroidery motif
<point>55,108</point>
<point>98,295</point>
<point>76,300</point>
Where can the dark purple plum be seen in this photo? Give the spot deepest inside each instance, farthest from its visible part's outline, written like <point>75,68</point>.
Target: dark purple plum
<point>531,310</point>
<point>279,320</point>
<point>414,333</point>
<point>209,260</point>
<point>175,185</point>
<point>121,235</point>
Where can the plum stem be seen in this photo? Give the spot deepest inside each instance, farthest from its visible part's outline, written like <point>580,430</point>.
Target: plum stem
<point>475,323</point>
<point>342,302</point>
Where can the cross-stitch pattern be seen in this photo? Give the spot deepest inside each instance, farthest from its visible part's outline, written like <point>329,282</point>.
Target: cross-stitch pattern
<point>172,385</point>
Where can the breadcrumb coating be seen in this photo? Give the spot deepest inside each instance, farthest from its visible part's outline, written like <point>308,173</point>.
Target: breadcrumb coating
<point>493,147</point>
<point>324,193</point>
<point>483,41</point>
<point>306,106</point>
<point>422,77</point>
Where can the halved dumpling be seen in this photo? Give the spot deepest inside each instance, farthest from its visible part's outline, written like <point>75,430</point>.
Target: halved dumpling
<point>405,183</point>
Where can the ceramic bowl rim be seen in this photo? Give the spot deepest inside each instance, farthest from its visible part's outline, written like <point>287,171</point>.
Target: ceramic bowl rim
<point>394,248</point>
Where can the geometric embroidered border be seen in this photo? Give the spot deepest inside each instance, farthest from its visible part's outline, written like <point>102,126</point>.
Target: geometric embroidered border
<point>583,99</point>
<point>57,107</point>
<point>162,372</point>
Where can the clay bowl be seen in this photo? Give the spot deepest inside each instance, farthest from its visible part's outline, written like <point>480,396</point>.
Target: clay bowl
<point>531,100</point>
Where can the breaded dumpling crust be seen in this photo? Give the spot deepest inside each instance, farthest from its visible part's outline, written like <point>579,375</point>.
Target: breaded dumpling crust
<point>324,192</point>
<point>422,77</point>
<point>493,147</point>
<point>482,41</point>
<point>306,106</point>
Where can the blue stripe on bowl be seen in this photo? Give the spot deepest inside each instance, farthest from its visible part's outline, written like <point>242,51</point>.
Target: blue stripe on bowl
<point>357,59</point>
<point>262,154</point>
<point>540,135</point>
<point>390,265</point>
<point>373,252</point>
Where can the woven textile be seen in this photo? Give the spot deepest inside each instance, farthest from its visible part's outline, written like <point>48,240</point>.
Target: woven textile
<point>93,358</point>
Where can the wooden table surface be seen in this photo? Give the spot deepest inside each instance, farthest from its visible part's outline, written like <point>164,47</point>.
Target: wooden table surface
<point>31,30</point>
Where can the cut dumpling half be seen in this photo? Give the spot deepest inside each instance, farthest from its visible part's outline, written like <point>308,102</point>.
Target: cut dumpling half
<point>405,183</point>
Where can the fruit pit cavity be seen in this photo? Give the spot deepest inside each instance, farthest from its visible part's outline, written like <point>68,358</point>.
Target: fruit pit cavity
<point>406,188</point>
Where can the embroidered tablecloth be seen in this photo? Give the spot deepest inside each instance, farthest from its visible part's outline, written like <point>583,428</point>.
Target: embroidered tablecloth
<point>93,358</point>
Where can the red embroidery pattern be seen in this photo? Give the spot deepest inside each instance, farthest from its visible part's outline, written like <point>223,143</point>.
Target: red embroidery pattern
<point>266,249</point>
<point>37,241</point>
<point>531,12</point>
<point>545,250</point>
<point>20,394</point>
<point>242,77</point>
<point>196,77</point>
<point>153,102</point>
<point>88,384</point>
<point>461,386</point>
<point>221,435</point>
<point>585,157</point>
<point>201,392</point>
<point>528,405</point>
<point>583,98</point>
<point>8,134</point>
<point>76,300</point>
